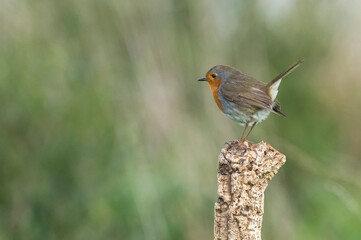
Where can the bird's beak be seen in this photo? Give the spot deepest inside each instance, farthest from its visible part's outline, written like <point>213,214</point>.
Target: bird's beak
<point>203,79</point>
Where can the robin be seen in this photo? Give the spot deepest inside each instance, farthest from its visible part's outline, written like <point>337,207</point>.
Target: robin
<point>243,98</point>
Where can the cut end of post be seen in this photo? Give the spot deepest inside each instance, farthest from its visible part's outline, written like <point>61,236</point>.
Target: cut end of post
<point>244,170</point>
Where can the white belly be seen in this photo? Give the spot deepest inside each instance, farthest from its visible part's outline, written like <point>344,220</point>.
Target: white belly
<point>260,115</point>
<point>240,117</point>
<point>243,115</point>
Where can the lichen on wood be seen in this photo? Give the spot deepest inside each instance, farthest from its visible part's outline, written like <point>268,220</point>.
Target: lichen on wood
<point>243,175</point>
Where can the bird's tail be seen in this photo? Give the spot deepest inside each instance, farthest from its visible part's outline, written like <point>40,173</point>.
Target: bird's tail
<point>285,73</point>
<point>272,86</point>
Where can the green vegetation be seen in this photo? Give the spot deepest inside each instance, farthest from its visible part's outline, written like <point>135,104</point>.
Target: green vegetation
<point>106,134</point>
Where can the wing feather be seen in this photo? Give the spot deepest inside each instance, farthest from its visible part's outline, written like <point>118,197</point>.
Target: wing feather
<point>246,91</point>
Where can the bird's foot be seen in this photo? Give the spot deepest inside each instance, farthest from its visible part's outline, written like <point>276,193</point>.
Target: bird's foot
<point>243,142</point>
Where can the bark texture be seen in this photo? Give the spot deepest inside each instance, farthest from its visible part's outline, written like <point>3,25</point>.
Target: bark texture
<point>243,175</point>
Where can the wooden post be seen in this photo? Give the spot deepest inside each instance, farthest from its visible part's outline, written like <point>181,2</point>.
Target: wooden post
<point>243,175</point>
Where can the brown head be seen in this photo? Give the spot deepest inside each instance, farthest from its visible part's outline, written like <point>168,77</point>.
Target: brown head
<point>218,74</point>
<point>214,77</point>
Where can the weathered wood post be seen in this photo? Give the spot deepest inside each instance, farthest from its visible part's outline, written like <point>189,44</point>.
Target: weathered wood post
<point>243,175</point>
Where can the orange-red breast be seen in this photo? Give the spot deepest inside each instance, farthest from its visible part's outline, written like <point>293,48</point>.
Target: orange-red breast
<point>243,98</point>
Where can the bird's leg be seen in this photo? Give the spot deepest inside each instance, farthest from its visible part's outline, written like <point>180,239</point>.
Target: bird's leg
<point>254,124</point>
<point>244,130</point>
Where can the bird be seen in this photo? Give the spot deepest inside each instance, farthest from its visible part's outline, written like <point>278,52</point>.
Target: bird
<point>243,98</point>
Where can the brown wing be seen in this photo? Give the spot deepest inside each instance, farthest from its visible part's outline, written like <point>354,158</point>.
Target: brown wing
<point>246,91</point>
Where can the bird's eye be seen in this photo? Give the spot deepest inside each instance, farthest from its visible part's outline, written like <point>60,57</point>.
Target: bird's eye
<point>214,75</point>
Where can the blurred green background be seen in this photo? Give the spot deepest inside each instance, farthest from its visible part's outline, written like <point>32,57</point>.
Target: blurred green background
<point>106,134</point>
